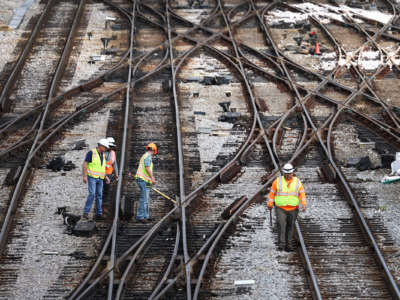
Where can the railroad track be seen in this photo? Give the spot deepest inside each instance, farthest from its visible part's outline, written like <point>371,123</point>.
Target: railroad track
<point>304,143</point>
<point>136,249</point>
<point>30,129</point>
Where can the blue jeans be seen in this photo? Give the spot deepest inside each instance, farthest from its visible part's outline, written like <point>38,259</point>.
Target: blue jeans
<point>143,208</point>
<point>95,186</point>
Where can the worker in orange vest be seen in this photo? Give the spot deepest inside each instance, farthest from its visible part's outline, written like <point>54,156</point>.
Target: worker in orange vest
<point>111,165</point>
<point>287,193</point>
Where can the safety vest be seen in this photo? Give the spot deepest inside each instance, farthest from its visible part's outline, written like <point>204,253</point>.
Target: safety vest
<point>110,162</point>
<point>95,168</point>
<point>141,171</point>
<point>287,196</point>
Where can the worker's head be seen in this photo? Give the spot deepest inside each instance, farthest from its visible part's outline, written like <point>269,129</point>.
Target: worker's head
<point>152,148</point>
<point>111,142</point>
<point>288,171</point>
<point>103,145</point>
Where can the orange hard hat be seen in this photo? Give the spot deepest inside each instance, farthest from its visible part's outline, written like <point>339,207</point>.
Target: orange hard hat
<point>153,147</point>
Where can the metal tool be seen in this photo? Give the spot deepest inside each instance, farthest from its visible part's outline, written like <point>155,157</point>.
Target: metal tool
<point>270,217</point>
<point>162,194</point>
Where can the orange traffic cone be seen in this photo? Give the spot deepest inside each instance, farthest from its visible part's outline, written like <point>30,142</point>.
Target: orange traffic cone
<point>317,51</point>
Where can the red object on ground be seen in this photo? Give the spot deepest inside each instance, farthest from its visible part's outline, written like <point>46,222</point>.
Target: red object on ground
<point>317,50</point>
<point>312,33</point>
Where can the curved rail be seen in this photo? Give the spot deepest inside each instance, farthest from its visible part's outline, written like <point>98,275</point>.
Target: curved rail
<point>25,171</point>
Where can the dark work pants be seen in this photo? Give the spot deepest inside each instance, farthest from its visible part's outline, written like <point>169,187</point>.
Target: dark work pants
<point>286,222</point>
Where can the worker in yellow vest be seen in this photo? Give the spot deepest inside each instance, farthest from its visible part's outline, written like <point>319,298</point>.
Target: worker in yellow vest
<point>145,179</point>
<point>93,172</point>
<point>111,165</point>
<point>287,192</point>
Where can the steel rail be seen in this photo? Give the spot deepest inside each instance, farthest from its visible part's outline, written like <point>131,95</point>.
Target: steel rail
<point>17,192</point>
<point>225,225</point>
<point>181,183</point>
<point>323,78</point>
<point>283,67</point>
<point>170,265</point>
<point>370,39</point>
<point>145,239</point>
<point>177,68</point>
<point>339,103</point>
<point>123,154</point>
<point>180,158</point>
<point>55,101</point>
<point>22,58</point>
<point>392,285</point>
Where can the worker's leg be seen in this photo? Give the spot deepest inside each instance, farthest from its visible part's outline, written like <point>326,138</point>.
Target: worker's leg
<point>106,189</point>
<point>90,198</point>
<point>146,202</point>
<point>291,222</point>
<point>142,200</point>
<point>99,197</point>
<point>281,221</point>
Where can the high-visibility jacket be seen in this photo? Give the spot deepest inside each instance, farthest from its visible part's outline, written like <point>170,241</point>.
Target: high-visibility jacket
<point>287,194</point>
<point>96,169</point>
<point>141,171</point>
<point>110,163</point>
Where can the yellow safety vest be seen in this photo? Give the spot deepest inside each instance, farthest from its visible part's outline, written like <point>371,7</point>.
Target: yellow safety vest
<point>287,196</point>
<point>95,168</point>
<point>141,171</point>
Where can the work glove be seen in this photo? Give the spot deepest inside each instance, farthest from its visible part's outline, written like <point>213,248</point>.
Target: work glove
<point>270,205</point>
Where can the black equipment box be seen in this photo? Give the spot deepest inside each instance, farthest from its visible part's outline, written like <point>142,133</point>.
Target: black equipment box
<point>84,228</point>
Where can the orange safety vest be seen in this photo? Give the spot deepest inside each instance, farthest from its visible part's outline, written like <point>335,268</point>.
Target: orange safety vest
<point>109,164</point>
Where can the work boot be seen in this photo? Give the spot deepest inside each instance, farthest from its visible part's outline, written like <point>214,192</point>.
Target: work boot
<point>85,217</point>
<point>99,218</point>
<point>289,248</point>
<point>143,221</point>
<point>281,246</point>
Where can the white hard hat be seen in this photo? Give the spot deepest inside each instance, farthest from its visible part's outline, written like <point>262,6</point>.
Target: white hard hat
<point>111,141</point>
<point>104,142</point>
<point>287,168</point>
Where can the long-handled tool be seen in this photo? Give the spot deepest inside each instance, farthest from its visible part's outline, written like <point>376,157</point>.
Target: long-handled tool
<point>270,217</point>
<point>162,194</point>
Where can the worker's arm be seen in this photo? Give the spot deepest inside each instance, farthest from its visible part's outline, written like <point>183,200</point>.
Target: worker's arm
<point>302,197</point>
<point>271,195</point>
<point>115,167</point>
<point>147,164</point>
<point>84,171</point>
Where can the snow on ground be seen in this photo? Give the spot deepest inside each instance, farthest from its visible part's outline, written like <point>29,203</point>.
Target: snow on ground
<point>325,13</point>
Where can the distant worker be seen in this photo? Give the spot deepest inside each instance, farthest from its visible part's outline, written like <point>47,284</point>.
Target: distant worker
<point>288,193</point>
<point>145,179</point>
<point>93,172</point>
<point>111,165</point>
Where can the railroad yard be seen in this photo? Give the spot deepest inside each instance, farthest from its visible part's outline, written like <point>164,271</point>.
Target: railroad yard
<point>230,91</point>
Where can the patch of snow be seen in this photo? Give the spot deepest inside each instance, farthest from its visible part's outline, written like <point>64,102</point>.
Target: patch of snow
<point>325,13</point>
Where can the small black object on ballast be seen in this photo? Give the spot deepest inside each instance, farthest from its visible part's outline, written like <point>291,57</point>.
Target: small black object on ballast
<point>79,145</point>
<point>225,105</point>
<point>84,228</point>
<point>105,41</point>
<point>56,164</point>
<point>298,40</point>
<point>69,219</point>
<point>231,117</point>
